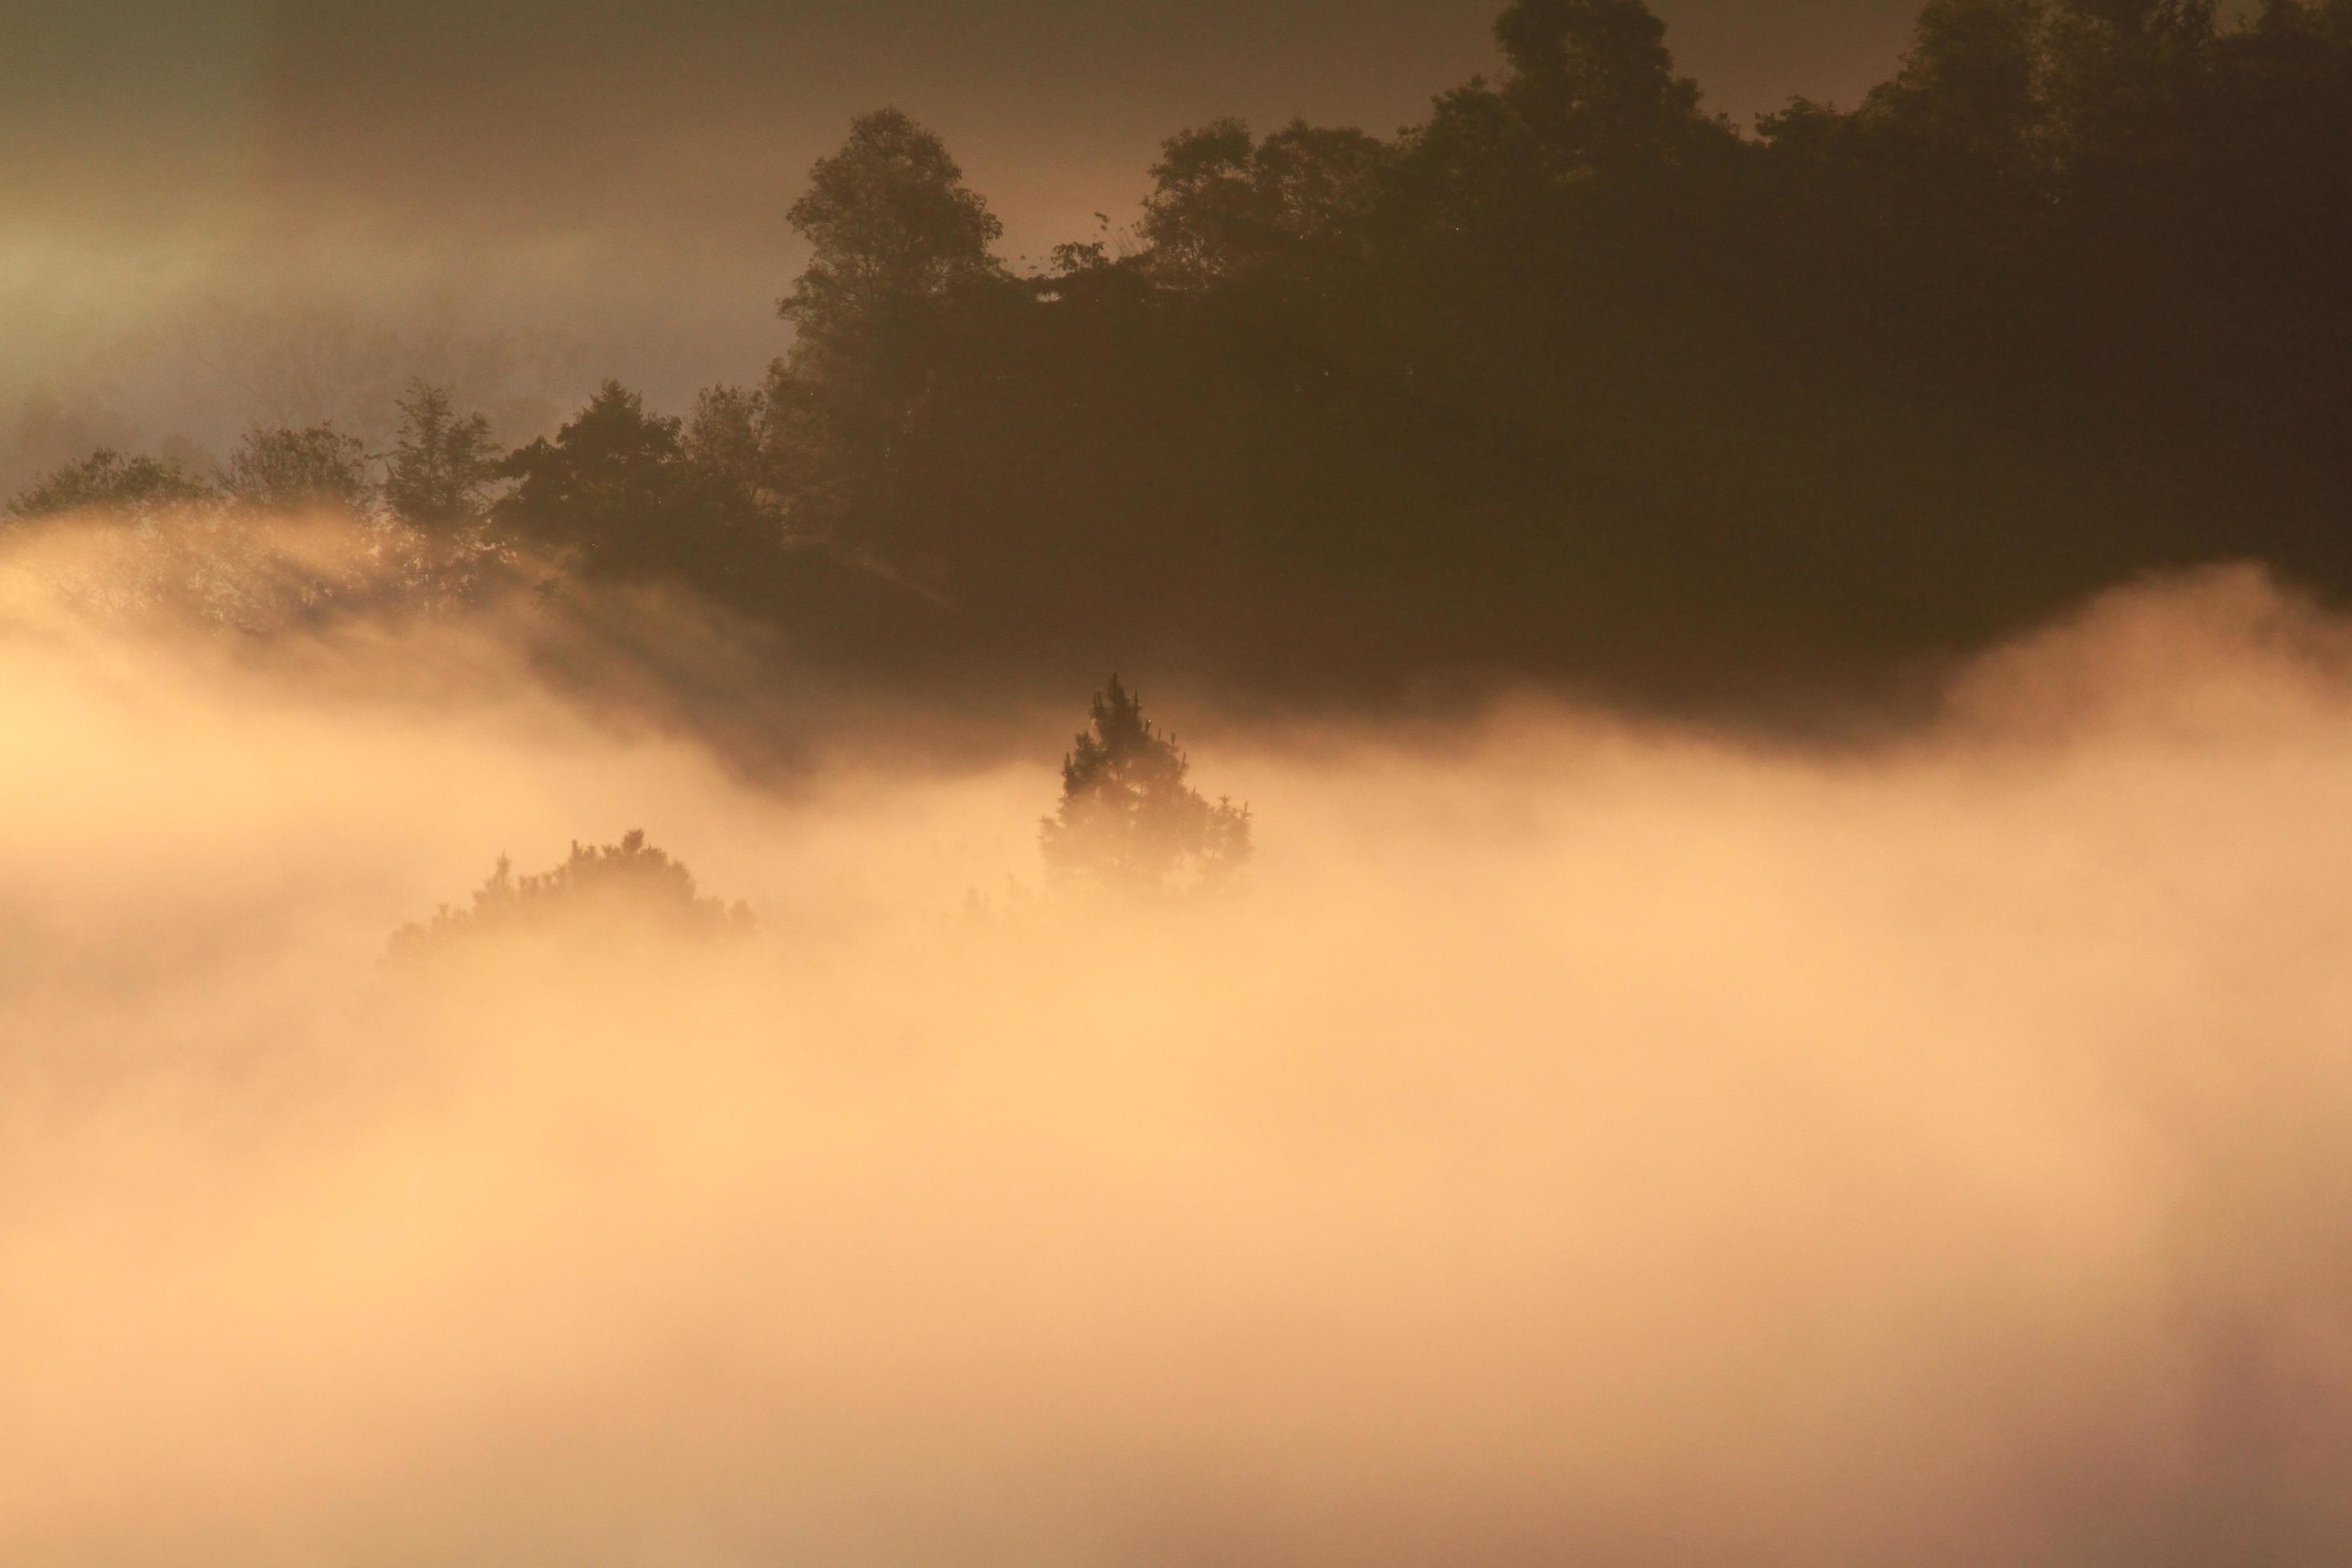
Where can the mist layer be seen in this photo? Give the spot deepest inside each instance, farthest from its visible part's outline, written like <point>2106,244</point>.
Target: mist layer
<point>1582,1140</point>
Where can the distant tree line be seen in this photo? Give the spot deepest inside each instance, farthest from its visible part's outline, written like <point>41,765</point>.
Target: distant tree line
<point>1128,825</point>
<point>1570,379</point>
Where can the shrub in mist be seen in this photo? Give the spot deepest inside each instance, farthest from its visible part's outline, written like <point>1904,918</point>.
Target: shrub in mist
<point>1128,819</point>
<point>629,887</point>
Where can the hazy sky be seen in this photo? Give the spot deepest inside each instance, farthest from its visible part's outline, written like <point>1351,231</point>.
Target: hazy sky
<point>617,172</point>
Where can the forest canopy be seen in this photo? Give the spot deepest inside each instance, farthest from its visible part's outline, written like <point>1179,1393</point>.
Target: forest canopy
<point>1570,381</point>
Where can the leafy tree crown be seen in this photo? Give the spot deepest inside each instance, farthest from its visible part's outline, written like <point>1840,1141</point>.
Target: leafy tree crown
<point>892,221</point>
<point>286,470</point>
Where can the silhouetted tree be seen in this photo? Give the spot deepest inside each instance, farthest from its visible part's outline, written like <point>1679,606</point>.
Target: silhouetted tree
<point>1128,819</point>
<point>2123,80</point>
<point>107,480</point>
<point>1222,201</point>
<point>899,242</point>
<point>442,464</point>
<point>1967,91</point>
<point>614,488</point>
<point>286,470</point>
<point>1594,81</point>
<point>727,443</point>
<point>892,223</point>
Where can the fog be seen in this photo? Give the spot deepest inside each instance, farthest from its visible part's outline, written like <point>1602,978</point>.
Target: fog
<point>1580,1140</point>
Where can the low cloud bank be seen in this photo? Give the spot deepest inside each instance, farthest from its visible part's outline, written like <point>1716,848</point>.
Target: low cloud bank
<point>1583,1141</point>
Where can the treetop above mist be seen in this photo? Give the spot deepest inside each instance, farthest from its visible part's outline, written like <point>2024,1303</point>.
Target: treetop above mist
<point>1127,820</point>
<point>625,888</point>
<point>1128,823</point>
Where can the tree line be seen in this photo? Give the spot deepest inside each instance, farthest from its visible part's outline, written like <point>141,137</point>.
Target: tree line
<point>1570,379</point>
<point>1128,825</point>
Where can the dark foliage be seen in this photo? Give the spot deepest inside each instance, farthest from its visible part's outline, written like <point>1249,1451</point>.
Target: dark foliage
<point>1569,381</point>
<point>1574,381</point>
<point>1127,820</point>
<point>611,488</point>
<point>440,471</point>
<point>285,469</point>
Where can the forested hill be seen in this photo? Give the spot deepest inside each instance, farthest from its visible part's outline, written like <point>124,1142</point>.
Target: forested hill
<point>1569,380</point>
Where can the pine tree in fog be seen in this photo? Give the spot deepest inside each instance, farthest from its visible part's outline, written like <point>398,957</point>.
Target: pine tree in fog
<point>1128,819</point>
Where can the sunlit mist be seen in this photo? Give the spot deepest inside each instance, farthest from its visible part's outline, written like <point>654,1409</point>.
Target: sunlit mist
<point>1574,1139</point>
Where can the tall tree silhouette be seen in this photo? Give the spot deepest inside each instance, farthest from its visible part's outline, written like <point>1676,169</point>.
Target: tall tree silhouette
<point>893,223</point>
<point>900,242</point>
